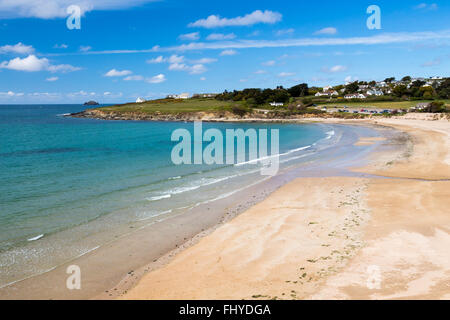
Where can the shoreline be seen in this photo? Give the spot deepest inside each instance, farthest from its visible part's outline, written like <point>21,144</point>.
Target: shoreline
<point>256,116</point>
<point>185,230</point>
<point>133,278</point>
<point>406,245</point>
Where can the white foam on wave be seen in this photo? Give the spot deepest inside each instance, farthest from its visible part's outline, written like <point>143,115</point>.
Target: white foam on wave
<point>156,198</point>
<point>330,134</point>
<point>194,186</point>
<point>36,238</point>
<point>226,195</point>
<point>272,156</point>
<point>296,157</point>
<point>153,214</point>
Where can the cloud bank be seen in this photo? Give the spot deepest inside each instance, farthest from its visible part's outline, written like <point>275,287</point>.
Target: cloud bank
<point>258,16</point>
<point>49,9</point>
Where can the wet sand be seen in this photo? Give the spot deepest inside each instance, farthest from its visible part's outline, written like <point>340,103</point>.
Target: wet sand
<point>379,237</point>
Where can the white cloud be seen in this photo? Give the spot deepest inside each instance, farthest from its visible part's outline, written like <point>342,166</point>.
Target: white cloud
<point>221,36</point>
<point>228,53</point>
<point>351,79</point>
<point>197,69</point>
<point>381,39</point>
<point>432,63</point>
<point>334,69</point>
<point>157,79</point>
<point>426,6</point>
<point>172,59</point>
<point>134,78</point>
<point>60,46</point>
<point>177,63</point>
<point>48,9</point>
<point>258,16</point>
<point>194,69</point>
<point>285,32</point>
<point>203,79</point>
<point>117,73</point>
<point>175,59</point>
<point>190,36</point>
<point>62,68</point>
<point>34,64</point>
<point>204,61</point>
<point>159,59</point>
<point>260,72</point>
<point>11,94</point>
<point>328,31</point>
<point>269,63</point>
<point>85,48</point>
<point>286,74</point>
<point>52,79</point>
<point>18,48</point>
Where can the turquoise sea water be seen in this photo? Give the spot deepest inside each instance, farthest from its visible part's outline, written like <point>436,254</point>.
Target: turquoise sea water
<point>69,185</point>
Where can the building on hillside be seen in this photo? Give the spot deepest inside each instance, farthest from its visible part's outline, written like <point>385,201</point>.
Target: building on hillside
<point>381,84</point>
<point>140,100</point>
<point>327,94</point>
<point>277,104</point>
<point>205,95</point>
<point>374,92</point>
<point>178,96</point>
<point>355,96</point>
<point>327,88</point>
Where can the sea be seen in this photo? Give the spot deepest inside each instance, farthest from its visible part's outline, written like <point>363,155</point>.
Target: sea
<point>69,186</point>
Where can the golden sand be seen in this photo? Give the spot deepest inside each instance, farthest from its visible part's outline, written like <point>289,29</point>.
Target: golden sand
<point>331,238</point>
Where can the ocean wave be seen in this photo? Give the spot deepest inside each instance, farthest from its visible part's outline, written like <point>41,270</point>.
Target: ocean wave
<point>156,198</point>
<point>153,214</point>
<point>330,134</point>
<point>193,186</point>
<point>226,195</point>
<point>272,156</point>
<point>36,238</point>
<point>296,158</point>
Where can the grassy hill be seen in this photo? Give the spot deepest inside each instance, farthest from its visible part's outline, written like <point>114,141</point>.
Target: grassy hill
<point>172,106</point>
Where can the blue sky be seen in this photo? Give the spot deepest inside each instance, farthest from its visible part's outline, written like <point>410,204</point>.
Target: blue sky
<point>141,48</point>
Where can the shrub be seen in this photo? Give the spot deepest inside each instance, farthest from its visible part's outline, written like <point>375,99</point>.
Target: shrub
<point>435,107</point>
<point>239,110</point>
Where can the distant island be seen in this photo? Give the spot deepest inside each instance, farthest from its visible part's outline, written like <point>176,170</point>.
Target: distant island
<point>91,103</point>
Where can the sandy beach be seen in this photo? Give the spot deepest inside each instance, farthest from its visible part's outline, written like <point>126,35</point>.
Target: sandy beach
<point>378,237</point>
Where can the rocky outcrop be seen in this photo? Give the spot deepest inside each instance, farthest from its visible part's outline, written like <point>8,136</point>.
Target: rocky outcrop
<point>91,103</point>
<point>222,116</point>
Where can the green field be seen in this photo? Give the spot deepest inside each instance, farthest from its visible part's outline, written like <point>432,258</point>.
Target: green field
<point>172,106</point>
<point>379,105</point>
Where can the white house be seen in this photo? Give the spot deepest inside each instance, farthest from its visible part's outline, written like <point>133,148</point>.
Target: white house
<point>374,92</point>
<point>327,94</point>
<point>327,88</point>
<point>277,104</point>
<point>355,96</point>
<point>140,100</point>
<point>205,95</point>
<point>179,96</point>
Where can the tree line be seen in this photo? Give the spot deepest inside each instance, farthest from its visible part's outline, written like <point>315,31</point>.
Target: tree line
<point>255,96</point>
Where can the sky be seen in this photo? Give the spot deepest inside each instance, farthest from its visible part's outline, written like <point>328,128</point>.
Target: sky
<point>146,48</point>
